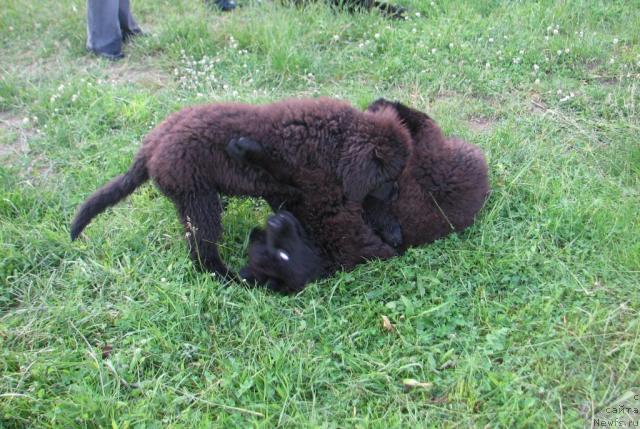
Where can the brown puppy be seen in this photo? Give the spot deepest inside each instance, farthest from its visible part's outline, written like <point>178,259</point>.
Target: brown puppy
<point>337,156</point>
<point>443,186</point>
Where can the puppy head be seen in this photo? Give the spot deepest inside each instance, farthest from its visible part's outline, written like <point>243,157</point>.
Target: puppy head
<point>376,153</point>
<point>450,170</point>
<point>281,257</point>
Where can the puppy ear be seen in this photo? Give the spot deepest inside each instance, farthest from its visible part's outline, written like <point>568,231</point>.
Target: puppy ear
<point>380,103</point>
<point>414,120</point>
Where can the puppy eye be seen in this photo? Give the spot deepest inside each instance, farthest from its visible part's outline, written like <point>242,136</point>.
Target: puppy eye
<point>283,255</point>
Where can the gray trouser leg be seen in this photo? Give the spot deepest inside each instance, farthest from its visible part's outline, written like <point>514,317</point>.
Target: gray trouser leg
<point>103,27</point>
<point>128,25</point>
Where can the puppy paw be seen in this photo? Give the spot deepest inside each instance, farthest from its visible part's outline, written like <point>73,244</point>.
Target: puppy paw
<point>243,148</point>
<point>392,236</point>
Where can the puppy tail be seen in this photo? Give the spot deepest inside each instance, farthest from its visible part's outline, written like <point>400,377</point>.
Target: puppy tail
<point>111,193</point>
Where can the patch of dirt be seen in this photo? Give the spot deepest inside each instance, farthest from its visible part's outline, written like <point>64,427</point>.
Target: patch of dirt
<point>537,104</point>
<point>14,136</point>
<point>139,74</point>
<point>595,73</point>
<point>445,95</point>
<point>481,124</point>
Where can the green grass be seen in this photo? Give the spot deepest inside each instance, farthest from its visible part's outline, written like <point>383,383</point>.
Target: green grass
<point>527,319</point>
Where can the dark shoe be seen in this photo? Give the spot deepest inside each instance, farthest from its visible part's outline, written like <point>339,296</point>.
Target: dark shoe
<point>128,35</point>
<point>223,5</point>
<point>107,55</point>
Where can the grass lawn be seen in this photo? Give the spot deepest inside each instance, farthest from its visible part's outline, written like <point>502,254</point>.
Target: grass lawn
<point>530,318</point>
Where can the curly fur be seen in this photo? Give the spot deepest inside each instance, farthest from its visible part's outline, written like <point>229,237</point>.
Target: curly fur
<point>444,184</point>
<point>338,155</point>
<point>442,188</point>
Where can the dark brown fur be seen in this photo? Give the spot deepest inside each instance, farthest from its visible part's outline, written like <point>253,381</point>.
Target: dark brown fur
<point>338,155</point>
<point>443,186</point>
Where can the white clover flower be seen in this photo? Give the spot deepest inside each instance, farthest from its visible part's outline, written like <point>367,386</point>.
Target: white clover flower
<point>25,121</point>
<point>567,50</point>
<point>336,37</point>
<point>413,30</point>
<point>536,67</point>
<point>487,65</point>
<point>555,31</point>
<point>376,36</point>
<point>433,50</point>
<point>490,39</point>
<point>615,41</point>
<point>559,92</point>
<point>418,14</point>
<point>537,82</point>
<point>559,52</point>
<point>611,61</point>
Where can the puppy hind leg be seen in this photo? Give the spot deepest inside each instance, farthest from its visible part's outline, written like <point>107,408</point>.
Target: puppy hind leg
<point>201,216</point>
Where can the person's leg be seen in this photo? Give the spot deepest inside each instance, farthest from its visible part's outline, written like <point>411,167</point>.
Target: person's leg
<point>103,30</point>
<point>128,25</point>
